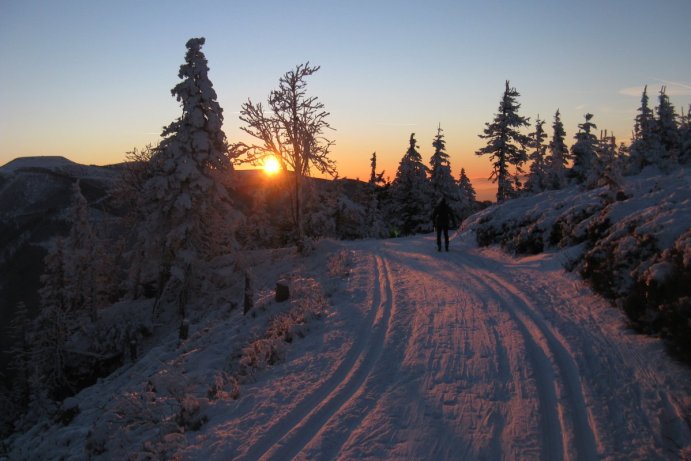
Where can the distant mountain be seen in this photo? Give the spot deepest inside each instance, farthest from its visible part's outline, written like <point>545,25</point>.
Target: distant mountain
<point>35,194</point>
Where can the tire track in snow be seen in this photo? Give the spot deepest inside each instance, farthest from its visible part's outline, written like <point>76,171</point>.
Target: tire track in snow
<point>285,439</point>
<point>557,376</point>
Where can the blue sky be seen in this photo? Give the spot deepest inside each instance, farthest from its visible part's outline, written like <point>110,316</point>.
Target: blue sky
<point>91,80</point>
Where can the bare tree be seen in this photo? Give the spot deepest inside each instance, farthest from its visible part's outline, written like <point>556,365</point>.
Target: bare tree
<point>292,130</point>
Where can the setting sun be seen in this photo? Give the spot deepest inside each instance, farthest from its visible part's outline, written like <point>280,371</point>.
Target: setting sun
<point>271,165</point>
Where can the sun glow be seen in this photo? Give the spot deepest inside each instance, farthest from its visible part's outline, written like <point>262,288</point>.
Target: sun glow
<point>271,166</point>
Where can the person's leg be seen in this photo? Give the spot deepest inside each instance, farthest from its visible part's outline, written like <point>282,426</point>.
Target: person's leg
<point>438,238</point>
<point>446,238</point>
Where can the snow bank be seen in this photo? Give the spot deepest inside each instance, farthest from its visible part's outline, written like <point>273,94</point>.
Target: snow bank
<point>633,243</point>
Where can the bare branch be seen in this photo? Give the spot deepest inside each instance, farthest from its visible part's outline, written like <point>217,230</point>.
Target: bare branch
<point>292,130</point>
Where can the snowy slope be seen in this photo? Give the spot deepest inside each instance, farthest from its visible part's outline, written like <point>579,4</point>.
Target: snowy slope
<point>35,194</point>
<point>631,241</point>
<point>417,355</point>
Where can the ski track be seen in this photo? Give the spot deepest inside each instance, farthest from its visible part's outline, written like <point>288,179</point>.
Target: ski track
<point>285,439</point>
<point>465,355</point>
<point>557,376</point>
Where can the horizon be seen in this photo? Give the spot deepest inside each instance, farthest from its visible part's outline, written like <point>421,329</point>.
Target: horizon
<point>77,89</point>
<point>484,187</point>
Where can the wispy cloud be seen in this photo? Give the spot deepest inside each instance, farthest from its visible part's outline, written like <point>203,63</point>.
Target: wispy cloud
<point>632,91</point>
<point>672,88</point>
<point>396,124</point>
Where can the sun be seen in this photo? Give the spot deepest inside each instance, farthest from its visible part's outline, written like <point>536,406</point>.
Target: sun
<point>271,165</point>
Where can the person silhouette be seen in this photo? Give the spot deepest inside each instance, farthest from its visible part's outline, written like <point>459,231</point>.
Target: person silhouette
<point>441,218</point>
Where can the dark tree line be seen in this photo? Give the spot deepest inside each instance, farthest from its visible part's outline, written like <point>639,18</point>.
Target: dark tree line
<point>661,138</point>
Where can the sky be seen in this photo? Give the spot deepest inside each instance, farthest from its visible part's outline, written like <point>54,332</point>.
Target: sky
<point>91,80</point>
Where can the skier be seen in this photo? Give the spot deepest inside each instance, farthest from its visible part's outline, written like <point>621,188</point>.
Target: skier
<point>441,218</point>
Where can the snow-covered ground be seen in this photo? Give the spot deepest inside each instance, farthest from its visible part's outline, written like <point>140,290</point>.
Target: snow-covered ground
<point>470,354</point>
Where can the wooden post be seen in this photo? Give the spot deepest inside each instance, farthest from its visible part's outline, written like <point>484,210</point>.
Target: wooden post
<point>184,329</point>
<point>133,349</point>
<point>249,295</point>
<point>282,291</point>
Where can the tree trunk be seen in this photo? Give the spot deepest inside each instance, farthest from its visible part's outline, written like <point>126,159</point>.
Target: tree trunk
<point>298,209</point>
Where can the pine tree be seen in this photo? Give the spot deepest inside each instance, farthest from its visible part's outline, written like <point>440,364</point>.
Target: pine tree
<point>375,222</point>
<point>506,145</point>
<point>373,169</point>
<point>584,153</point>
<point>441,180</point>
<point>187,209</point>
<point>685,135</point>
<point>410,193</point>
<point>667,129</point>
<point>558,155</point>
<point>466,187</point>
<point>646,148</point>
<point>21,355</point>
<point>80,258</point>
<point>53,323</point>
<point>467,195</point>
<point>537,175</point>
<point>608,168</point>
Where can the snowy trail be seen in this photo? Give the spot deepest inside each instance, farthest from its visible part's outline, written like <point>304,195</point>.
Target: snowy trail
<point>557,375</point>
<point>285,439</point>
<point>467,355</point>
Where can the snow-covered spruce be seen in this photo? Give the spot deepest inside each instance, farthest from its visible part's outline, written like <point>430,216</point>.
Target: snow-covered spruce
<point>188,217</point>
<point>584,153</point>
<point>505,144</point>
<point>537,175</point>
<point>411,194</point>
<point>558,155</point>
<point>441,180</point>
<point>466,191</point>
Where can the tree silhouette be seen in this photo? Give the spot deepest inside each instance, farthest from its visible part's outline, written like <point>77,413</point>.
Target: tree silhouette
<point>505,145</point>
<point>293,131</point>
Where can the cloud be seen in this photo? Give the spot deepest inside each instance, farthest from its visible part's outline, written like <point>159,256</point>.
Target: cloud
<point>673,88</point>
<point>632,91</point>
<point>395,124</point>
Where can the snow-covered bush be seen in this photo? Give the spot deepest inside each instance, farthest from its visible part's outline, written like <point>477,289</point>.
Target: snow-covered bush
<point>660,301</point>
<point>189,416</point>
<point>261,353</point>
<point>350,218</point>
<point>224,386</point>
<point>611,262</point>
<point>631,243</point>
<point>339,265</point>
<point>307,303</point>
<point>530,224</point>
<point>158,412</point>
